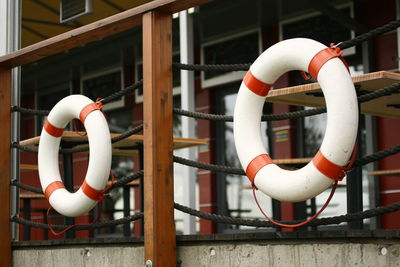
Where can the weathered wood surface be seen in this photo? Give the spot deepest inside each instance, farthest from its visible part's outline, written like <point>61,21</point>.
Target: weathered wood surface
<point>5,166</point>
<point>311,95</point>
<point>159,225</point>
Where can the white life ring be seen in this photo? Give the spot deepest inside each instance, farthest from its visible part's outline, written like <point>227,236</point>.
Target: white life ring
<point>80,202</point>
<point>325,65</point>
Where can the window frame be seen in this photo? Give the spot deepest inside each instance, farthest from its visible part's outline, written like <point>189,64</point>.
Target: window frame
<point>233,75</point>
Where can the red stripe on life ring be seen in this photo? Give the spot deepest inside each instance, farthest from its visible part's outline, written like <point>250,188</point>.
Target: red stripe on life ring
<point>52,130</point>
<point>322,57</point>
<point>88,109</point>
<point>92,193</point>
<point>255,166</point>
<point>53,187</point>
<point>330,169</point>
<point>255,85</point>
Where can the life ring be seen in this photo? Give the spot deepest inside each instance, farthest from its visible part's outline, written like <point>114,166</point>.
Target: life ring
<point>324,64</point>
<point>83,200</point>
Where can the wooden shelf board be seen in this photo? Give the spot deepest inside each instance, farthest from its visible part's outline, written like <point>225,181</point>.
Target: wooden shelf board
<point>121,147</point>
<point>31,196</point>
<point>28,167</point>
<point>302,95</point>
<point>385,172</point>
<point>292,161</point>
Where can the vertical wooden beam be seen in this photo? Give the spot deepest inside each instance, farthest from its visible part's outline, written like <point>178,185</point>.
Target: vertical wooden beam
<point>5,166</point>
<point>159,229</point>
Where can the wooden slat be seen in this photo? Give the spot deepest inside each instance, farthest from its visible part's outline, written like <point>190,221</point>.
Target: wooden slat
<point>92,32</point>
<point>292,161</point>
<point>159,225</point>
<point>28,167</point>
<point>121,148</point>
<point>31,196</point>
<point>5,166</point>
<point>385,172</point>
<point>310,94</point>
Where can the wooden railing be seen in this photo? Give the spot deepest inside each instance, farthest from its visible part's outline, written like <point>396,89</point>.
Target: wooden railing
<point>156,17</point>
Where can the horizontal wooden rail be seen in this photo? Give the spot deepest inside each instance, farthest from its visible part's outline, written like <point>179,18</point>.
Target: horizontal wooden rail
<point>385,172</point>
<point>93,31</point>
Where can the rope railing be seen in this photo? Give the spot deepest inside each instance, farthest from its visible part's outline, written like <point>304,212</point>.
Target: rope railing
<point>385,91</point>
<point>369,35</point>
<point>350,217</point>
<point>245,66</point>
<point>118,183</point>
<point>101,224</point>
<point>392,89</point>
<point>239,171</point>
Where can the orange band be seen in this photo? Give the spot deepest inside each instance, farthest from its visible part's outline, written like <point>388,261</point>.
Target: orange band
<point>53,187</point>
<point>330,169</point>
<point>88,109</point>
<point>255,85</point>
<point>52,130</point>
<point>322,57</point>
<point>92,193</point>
<point>255,165</point>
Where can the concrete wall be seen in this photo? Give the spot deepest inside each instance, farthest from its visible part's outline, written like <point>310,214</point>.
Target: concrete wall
<point>217,253</point>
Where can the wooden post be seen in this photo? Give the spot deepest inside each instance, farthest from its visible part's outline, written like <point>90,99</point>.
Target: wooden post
<point>159,229</point>
<point>5,166</point>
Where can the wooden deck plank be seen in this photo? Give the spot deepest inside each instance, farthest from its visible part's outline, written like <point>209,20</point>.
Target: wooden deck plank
<point>28,167</point>
<point>310,94</point>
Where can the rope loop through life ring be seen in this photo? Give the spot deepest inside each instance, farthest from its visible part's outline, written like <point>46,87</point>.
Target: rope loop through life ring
<point>324,64</point>
<point>92,189</point>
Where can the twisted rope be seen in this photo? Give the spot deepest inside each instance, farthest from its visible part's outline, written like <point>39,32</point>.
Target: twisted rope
<point>386,91</point>
<point>368,35</point>
<point>212,67</point>
<point>122,92</point>
<point>208,166</point>
<point>118,183</point>
<point>243,67</point>
<point>127,219</point>
<point>377,156</point>
<point>105,100</point>
<point>266,117</point>
<point>239,171</point>
<point>122,181</point>
<point>263,223</point>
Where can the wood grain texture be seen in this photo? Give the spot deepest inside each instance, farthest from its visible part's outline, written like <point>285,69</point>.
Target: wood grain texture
<point>159,225</point>
<point>124,147</point>
<point>5,166</point>
<point>92,32</point>
<point>310,94</point>
<point>394,172</point>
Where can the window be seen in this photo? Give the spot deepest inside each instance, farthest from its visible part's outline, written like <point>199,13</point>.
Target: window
<point>242,48</point>
<point>319,27</point>
<point>102,84</point>
<point>236,196</point>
